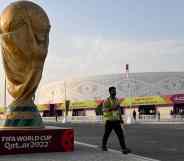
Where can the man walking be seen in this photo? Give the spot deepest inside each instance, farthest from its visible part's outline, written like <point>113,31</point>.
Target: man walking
<point>113,120</point>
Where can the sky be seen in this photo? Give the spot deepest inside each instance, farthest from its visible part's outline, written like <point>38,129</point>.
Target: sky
<point>95,37</point>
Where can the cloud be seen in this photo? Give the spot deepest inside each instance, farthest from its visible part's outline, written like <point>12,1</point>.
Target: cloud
<point>80,56</point>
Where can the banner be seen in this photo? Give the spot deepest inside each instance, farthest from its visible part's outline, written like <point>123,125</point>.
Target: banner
<point>147,100</point>
<point>129,101</point>
<point>178,98</point>
<point>84,104</point>
<point>42,107</point>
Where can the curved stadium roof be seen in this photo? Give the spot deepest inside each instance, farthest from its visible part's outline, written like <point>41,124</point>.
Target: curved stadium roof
<point>138,84</point>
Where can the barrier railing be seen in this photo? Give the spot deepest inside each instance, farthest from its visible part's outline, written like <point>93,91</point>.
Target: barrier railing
<point>147,117</point>
<point>177,117</point>
<point>74,119</point>
<point>99,119</point>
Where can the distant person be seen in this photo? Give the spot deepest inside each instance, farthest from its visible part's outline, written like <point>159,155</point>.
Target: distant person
<point>113,121</point>
<point>172,114</point>
<point>56,116</point>
<point>134,115</point>
<point>158,113</point>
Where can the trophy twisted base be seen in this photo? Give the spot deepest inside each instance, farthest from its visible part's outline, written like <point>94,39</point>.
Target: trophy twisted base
<point>21,117</point>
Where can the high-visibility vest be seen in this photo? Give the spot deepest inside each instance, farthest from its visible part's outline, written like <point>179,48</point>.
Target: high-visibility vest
<point>111,115</point>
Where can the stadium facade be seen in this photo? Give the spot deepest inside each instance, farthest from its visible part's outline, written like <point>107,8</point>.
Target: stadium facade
<point>147,93</point>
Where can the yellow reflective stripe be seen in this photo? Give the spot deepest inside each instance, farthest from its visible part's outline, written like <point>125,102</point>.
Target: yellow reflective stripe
<point>107,113</point>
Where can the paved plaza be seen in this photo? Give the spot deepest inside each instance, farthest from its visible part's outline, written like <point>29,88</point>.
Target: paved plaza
<point>148,142</point>
<point>81,153</point>
<point>157,141</point>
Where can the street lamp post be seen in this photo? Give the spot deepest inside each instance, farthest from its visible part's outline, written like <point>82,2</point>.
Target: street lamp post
<point>53,103</point>
<point>65,115</point>
<point>129,93</point>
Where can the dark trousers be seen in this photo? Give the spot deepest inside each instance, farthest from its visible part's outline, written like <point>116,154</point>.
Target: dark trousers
<point>116,126</point>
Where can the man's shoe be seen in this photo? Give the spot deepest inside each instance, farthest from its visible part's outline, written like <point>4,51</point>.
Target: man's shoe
<point>104,148</point>
<point>126,151</point>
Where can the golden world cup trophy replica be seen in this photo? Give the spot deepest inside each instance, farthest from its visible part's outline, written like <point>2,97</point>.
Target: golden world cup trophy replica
<point>24,30</point>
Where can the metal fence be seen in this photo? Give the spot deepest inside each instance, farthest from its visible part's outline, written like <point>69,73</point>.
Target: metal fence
<point>74,119</point>
<point>127,119</point>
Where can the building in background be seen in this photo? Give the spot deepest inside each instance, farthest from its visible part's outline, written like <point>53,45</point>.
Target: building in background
<point>149,93</point>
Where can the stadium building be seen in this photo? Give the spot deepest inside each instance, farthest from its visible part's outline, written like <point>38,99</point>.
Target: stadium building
<point>146,93</point>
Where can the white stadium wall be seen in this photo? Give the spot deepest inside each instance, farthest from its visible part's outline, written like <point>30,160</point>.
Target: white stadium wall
<point>96,87</point>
